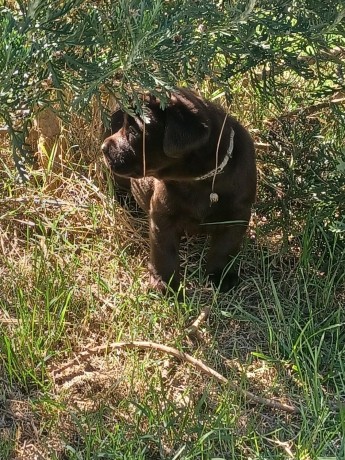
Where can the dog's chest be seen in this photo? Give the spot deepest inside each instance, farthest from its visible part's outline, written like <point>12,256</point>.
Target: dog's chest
<point>190,207</point>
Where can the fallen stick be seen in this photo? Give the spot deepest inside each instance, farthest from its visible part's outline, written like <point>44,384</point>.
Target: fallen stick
<point>197,363</point>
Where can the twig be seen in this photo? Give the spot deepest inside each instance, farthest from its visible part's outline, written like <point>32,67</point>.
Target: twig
<point>193,330</point>
<point>285,446</point>
<point>183,357</point>
<point>262,145</point>
<point>311,109</point>
<point>42,201</point>
<point>9,321</point>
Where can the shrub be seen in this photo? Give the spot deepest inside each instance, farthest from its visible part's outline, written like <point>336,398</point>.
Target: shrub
<point>52,50</point>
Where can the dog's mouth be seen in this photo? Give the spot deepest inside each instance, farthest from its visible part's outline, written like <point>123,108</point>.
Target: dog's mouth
<point>124,169</point>
<point>131,175</point>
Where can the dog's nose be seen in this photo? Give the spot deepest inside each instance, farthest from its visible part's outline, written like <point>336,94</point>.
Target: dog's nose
<point>105,147</point>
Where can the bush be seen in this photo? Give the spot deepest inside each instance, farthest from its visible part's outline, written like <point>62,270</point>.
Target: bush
<point>51,51</point>
<point>303,179</point>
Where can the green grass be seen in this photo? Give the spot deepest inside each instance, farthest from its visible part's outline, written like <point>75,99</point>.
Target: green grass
<point>72,277</point>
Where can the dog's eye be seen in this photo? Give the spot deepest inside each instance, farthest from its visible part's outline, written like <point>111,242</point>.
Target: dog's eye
<point>132,131</point>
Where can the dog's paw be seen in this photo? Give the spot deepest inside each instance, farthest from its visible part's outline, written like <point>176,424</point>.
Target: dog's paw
<point>224,282</point>
<point>157,284</point>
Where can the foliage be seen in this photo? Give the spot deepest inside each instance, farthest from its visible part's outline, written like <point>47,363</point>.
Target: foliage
<point>303,178</point>
<point>51,51</point>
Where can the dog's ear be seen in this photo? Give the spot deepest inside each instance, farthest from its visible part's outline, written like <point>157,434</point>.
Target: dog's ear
<point>186,128</point>
<point>117,120</point>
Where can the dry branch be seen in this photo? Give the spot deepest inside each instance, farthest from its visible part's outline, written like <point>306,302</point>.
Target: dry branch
<point>310,110</point>
<point>197,363</point>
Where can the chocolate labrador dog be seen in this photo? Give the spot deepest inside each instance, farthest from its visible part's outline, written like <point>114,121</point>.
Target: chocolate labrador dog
<point>191,167</point>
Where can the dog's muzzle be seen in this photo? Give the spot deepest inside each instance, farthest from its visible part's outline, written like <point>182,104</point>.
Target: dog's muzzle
<point>106,147</point>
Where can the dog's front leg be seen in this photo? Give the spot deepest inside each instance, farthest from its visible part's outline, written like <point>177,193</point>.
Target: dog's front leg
<point>164,258</point>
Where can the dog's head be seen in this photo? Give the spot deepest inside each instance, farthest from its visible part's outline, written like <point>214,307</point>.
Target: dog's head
<point>171,136</point>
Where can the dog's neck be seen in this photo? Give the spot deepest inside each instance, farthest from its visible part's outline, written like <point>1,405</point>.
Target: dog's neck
<point>219,169</point>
